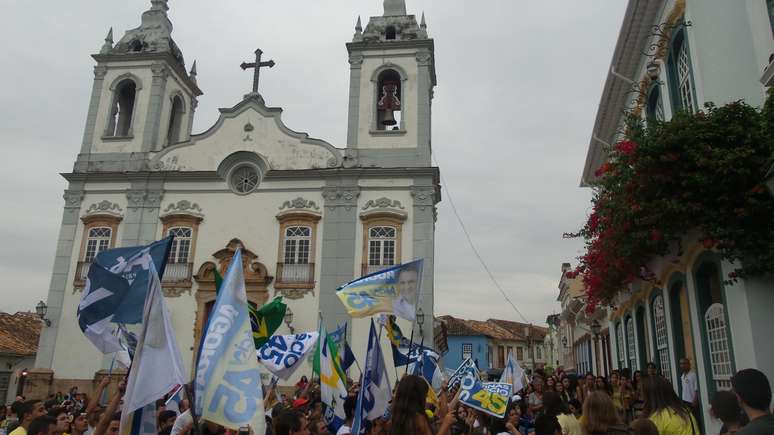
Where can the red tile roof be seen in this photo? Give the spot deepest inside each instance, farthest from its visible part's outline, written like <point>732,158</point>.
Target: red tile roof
<point>19,333</point>
<point>487,328</point>
<point>518,328</point>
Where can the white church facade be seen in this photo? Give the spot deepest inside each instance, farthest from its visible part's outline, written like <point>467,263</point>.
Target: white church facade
<point>309,215</point>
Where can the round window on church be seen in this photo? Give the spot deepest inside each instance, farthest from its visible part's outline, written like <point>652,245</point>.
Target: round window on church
<point>244,179</point>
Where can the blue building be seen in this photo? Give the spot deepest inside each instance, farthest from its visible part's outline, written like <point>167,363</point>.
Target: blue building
<point>489,342</point>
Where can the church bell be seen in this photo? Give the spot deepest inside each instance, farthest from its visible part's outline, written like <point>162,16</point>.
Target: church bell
<point>389,103</point>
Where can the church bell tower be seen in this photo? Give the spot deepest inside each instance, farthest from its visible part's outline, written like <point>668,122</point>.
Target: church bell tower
<point>392,75</point>
<point>142,99</point>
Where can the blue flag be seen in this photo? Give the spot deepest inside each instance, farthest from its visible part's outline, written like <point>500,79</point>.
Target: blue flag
<point>374,397</point>
<point>339,335</point>
<point>115,291</point>
<point>394,290</point>
<point>347,357</point>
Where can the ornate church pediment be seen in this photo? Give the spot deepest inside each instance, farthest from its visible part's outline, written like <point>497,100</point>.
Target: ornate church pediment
<point>183,207</point>
<point>253,127</point>
<point>256,275</point>
<point>104,208</point>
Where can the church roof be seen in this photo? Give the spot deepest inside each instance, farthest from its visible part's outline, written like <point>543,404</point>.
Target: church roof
<point>19,334</point>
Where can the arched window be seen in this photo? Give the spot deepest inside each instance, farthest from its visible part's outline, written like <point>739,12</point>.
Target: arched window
<point>655,107</point>
<point>716,339</point>
<point>662,340</point>
<point>621,346</point>
<point>98,240</point>
<point>631,346</point>
<point>389,106</point>
<point>122,109</point>
<point>381,247</point>
<point>175,120</point>
<point>180,252</point>
<point>681,74</point>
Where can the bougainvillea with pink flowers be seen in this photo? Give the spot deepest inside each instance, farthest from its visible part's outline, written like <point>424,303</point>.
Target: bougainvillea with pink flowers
<point>706,172</point>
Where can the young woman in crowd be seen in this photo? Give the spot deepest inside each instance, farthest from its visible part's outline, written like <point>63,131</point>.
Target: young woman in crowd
<point>724,406</point>
<point>554,406</point>
<point>638,399</point>
<point>570,386</point>
<point>550,384</point>
<point>407,413</point>
<point>616,393</point>
<point>662,406</point>
<point>599,416</point>
<point>585,387</point>
<point>563,395</point>
<point>600,384</point>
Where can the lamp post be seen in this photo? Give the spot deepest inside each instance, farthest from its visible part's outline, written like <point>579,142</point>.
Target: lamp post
<point>420,322</point>
<point>289,320</point>
<point>41,309</point>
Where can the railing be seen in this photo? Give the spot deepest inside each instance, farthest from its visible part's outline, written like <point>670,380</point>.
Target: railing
<point>295,273</point>
<point>177,273</point>
<point>81,271</point>
<point>368,269</point>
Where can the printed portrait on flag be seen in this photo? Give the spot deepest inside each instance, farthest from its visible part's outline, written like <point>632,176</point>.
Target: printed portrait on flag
<point>394,290</point>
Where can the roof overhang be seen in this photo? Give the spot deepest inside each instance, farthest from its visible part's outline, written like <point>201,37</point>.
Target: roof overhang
<point>627,60</point>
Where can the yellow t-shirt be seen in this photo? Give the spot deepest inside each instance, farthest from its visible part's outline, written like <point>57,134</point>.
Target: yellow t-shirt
<point>19,431</point>
<point>569,424</point>
<point>670,423</point>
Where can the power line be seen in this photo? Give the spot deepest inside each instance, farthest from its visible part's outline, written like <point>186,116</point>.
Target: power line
<point>473,246</point>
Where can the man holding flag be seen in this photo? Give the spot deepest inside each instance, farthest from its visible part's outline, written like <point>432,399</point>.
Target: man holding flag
<point>227,385</point>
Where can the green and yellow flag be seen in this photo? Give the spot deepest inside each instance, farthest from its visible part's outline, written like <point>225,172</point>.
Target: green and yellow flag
<point>265,320</point>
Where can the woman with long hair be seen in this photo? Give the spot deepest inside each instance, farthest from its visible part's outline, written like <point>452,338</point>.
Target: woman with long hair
<point>554,406</point>
<point>638,397</point>
<point>662,406</point>
<point>585,387</point>
<point>600,384</point>
<point>407,412</point>
<point>560,390</point>
<point>599,416</point>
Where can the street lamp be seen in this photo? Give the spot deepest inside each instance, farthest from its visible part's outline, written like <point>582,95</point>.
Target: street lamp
<point>564,342</point>
<point>41,309</point>
<point>596,328</point>
<point>289,320</point>
<point>420,322</point>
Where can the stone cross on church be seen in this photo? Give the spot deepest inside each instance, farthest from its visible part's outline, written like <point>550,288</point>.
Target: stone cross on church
<point>257,65</point>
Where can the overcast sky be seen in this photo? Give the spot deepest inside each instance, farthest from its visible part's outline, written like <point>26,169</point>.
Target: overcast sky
<point>518,87</point>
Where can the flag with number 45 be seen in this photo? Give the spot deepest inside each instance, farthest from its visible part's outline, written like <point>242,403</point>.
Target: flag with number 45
<point>489,397</point>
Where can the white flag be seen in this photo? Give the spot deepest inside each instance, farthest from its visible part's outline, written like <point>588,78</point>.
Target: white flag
<point>513,374</point>
<point>284,354</point>
<point>157,366</point>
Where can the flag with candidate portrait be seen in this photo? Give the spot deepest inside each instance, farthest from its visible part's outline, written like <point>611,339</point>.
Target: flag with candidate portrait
<point>115,290</point>
<point>227,386</point>
<point>394,290</point>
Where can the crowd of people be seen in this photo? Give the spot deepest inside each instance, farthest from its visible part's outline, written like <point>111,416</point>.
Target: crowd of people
<point>554,403</point>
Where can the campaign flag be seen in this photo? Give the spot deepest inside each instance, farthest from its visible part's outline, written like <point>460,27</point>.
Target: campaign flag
<point>411,356</point>
<point>489,397</point>
<point>264,321</point>
<point>468,367</point>
<point>393,290</point>
<point>339,335</point>
<point>347,357</point>
<point>227,388</point>
<point>513,373</point>
<point>333,392</point>
<point>427,367</point>
<point>115,290</point>
<point>284,354</point>
<point>176,397</point>
<point>139,422</point>
<point>157,366</point>
<point>374,397</point>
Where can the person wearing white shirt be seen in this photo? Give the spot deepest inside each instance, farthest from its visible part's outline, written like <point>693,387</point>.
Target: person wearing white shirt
<point>690,384</point>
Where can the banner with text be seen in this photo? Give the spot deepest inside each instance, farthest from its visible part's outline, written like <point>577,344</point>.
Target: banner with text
<point>489,397</point>
<point>284,354</point>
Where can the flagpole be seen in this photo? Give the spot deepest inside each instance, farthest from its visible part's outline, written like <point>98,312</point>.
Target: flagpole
<point>411,345</point>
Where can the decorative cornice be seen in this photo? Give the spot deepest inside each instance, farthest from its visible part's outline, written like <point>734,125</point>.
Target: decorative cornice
<point>183,207</point>
<point>293,293</point>
<point>73,198</point>
<point>100,72</point>
<point>299,203</point>
<point>174,292</point>
<point>424,57</point>
<point>105,208</point>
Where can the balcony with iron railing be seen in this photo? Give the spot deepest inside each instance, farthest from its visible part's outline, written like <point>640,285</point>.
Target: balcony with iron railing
<point>175,274</point>
<point>295,275</point>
